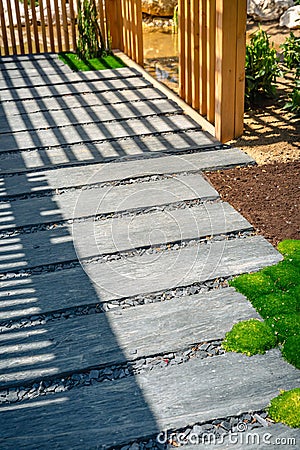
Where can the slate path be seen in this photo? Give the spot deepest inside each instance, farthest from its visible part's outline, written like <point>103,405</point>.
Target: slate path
<point>114,256</point>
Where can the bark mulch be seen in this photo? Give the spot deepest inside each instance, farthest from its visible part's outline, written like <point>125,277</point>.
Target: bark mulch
<point>267,195</point>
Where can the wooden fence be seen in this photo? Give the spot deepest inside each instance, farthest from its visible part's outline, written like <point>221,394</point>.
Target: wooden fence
<point>42,26</point>
<point>211,46</point>
<point>212,38</point>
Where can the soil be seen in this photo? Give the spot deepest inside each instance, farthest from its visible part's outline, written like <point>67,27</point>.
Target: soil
<point>267,195</point>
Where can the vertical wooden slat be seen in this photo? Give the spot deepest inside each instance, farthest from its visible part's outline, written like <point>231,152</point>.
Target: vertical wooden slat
<point>195,30</point>
<point>240,67</point>
<point>57,26</point>
<point>101,18</point>
<point>73,26</point>
<point>3,29</point>
<point>129,24</point>
<point>35,27</point>
<point>11,29</point>
<point>203,57</point>
<point>19,27</point>
<point>66,46</point>
<point>126,28</point>
<point>139,33</point>
<point>226,21</point>
<point>181,48</point>
<point>211,57</point>
<point>50,26</point>
<point>28,29</point>
<point>133,31</point>
<point>188,71</point>
<point>43,26</point>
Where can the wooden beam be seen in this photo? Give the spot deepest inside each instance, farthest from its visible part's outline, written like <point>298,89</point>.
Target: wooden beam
<point>240,68</point>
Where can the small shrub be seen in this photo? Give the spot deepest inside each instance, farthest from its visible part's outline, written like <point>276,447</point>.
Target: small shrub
<point>284,275</point>
<point>285,326</point>
<point>261,67</point>
<point>293,105</point>
<point>249,337</point>
<point>291,52</point>
<point>290,350</point>
<point>286,408</point>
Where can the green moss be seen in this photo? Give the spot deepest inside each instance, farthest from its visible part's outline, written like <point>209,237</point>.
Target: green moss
<point>278,303</point>
<point>290,350</point>
<point>284,275</point>
<point>77,64</point>
<point>285,326</point>
<point>249,337</point>
<point>253,285</point>
<point>290,249</point>
<point>286,408</point>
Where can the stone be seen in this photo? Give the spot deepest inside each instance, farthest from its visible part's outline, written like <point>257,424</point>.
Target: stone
<point>161,8</point>
<point>291,18</point>
<point>265,10</point>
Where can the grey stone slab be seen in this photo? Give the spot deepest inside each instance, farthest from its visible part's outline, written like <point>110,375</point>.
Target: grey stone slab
<point>112,199</point>
<point>78,154</point>
<point>67,89</point>
<point>143,331</point>
<point>101,173</point>
<point>101,282</point>
<point>118,234</point>
<point>82,133</point>
<point>46,78</point>
<point>118,412</point>
<point>76,100</point>
<point>17,72</point>
<point>278,435</point>
<point>86,114</point>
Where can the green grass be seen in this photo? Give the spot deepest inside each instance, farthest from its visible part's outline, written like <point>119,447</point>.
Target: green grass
<point>77,64</point>
<point>286,408</point>
<point>249,337</point>
<point>275,293</point>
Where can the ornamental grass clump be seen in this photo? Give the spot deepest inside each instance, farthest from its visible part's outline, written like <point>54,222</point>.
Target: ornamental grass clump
<point>90,43</point>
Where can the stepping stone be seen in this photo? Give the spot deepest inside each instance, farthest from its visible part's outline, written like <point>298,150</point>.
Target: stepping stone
<point>115,413</point>
<point>114,338</point>
<point>66,89</point>
<point>106,200</point>
<point>86,114</point>
<point>134,276</point>
<point>76,100</point>
<point>47,181</point>
<point>8,82</point>
<point>72,134</point>
<point>118,234</point>
<point>79,154</point>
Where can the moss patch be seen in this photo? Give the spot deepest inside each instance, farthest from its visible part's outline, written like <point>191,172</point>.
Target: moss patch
<point>286,408</point>
<point>275,294</point>
<point>77,64</point>
<point>290,350</point>
<point>249,337</point>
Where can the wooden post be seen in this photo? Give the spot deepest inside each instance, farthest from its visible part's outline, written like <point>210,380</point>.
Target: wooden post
<point>11,28</point>
<point>73,27</point>
<point>65,26</point>
<point>139,33</point>
<point>211,59</point>
<point>203,57</point>
<point>41,8</point>
<point>28,30</point>
<point>3,28</point>
<point>34,25</point>
<point>181,48</point>
<point>228,81</point>
<point>195,37</point>
<point>240,68</point>
<point>114,19</point>
<point>19,26</point>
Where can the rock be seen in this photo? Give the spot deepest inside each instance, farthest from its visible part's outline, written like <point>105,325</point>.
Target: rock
<point>291,18</point>
<point>264,10</point>
<point>161,8</point>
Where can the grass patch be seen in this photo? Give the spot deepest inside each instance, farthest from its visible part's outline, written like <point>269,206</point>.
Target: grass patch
<point>275,293</point>
<point>78,65</point>
<point>249,337</point>
<point>286,408</point>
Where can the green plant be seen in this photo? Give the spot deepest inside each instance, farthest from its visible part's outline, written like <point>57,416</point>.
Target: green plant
<point>77,64</point>
<point>261,67</point>
<point>291,53</point>
<point>290,350</point>
<point>293,105</point>
<point>284,326</point>
<point>175,20</point>
<point>286,408</point>
<point>277,303</point>
<point>253,284</point>
<point>90,43</point>
<point>249,337</point>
